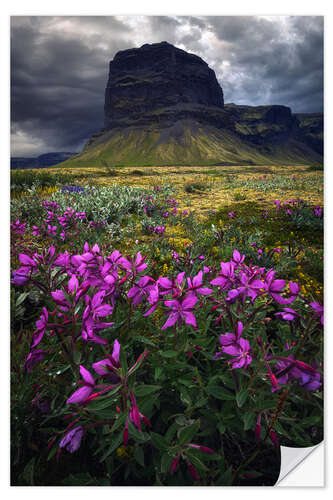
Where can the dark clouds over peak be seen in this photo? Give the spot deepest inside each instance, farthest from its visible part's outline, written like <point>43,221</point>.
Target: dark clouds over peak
<point>59,67</point>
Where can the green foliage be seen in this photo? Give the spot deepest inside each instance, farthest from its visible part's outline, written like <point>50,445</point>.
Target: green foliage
<point>188,397</point>
<point>195,186</point>
<point>22,180</point>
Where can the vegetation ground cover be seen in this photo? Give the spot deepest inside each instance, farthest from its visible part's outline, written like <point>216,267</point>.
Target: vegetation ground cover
<point>166,323</point>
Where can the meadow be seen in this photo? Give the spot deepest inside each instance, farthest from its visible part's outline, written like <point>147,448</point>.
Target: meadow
<point>166,323</point>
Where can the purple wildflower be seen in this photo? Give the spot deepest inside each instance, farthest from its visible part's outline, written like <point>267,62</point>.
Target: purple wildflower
<point>41,326</point>
<point>135,415</point>
<point>51,230</point>
<point>195,285</point>
<point>238,258</point>
<point>250,286</point>
<point>136,266</point>
<point>287,314</point>
<point>34,357</point>
<point>289,369</point>
<point>319,311</point>
<point>140,290</point>
<point>72,440</point>
<point>110,364</point>
<point>86,389</point>
<point>18,227</point>
<point>226,275</point>
<point>234,345</point>
<point>241,352</point>
<point>91,317</point>
<point>173,286</point>
<point>153,299</point>
<point>181,310</point>
<point>274,287</point>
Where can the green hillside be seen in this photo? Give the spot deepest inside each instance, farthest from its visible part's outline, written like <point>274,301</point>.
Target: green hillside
<point>187,143</point>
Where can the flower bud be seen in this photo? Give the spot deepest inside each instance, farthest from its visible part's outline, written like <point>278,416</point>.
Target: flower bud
<point>257,430</point>
<point>125,436</point>
<point>174,465</point>
<point>192,471</point>
<point>274,438</point>
<point>207,450</point>
<point>304,366</point>
<point>273,380</point>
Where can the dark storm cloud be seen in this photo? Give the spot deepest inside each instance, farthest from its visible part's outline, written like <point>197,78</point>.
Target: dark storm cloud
<point>282,57</point>
<point>59,67</point>
<point>59,70</point>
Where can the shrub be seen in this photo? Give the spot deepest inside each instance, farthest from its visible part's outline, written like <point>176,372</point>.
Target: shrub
<point>239,196</point>
<point>195,186</point>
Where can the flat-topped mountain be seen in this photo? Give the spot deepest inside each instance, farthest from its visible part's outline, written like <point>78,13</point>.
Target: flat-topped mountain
<point>164,106</point>
<point>159,83</point>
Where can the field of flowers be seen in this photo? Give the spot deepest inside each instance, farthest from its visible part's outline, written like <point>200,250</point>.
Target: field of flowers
<point>166,325</point>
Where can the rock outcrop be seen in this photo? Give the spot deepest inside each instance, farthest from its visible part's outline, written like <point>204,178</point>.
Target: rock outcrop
<point>160,84</point>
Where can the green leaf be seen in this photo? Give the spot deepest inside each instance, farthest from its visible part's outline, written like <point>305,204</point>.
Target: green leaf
<point>58,370</point>
<point>219,392</point>
<point>137,364</point>
<point>311,421</point>
<point>52,452</point>
<point>77,308</point>
<point>115,443</point>
<point>28,473</point>
<point>185,397</point>
<point>95,406</point>
<point>159,441</point>
<point>123,361</point>
<point>196,461</point>
<point>21,298</point>
<point>138,436</point>
<point>80,479</point>
<point>241,397</point>
<point>171,432</point>
<point>187,433</point>
<point>166,462</point>
<point>120,421</point>
<point>77,357</point>
<point>139,455</point>
<point>268,404</point>
<point>187,383</point>
<point>225,478</point>
<point>143,390</point>
<point>169,354</point>
<point>221,427</point>
<point>249,420</point>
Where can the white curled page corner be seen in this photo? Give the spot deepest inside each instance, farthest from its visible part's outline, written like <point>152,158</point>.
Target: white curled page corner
<point>302,466</point>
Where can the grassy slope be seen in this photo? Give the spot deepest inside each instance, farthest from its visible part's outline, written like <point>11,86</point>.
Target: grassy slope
<point>202,146</point>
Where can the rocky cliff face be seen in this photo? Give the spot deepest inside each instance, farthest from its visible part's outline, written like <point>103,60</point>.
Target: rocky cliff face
<point>159,84</point>
<point>261,124</point>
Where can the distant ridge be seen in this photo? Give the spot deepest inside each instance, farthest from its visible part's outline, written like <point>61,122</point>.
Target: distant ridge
<point>42,161</point>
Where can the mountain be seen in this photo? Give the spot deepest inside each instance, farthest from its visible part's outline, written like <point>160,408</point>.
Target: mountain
<point>164,106</point>
<point>42,161</point>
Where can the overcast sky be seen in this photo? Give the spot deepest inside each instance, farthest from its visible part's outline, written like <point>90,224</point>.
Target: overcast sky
<point>59,67</point>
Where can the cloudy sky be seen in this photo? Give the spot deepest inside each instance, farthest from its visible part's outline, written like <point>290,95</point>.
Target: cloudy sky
<point>59,67</point>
